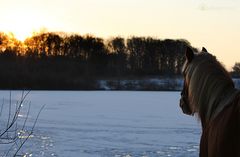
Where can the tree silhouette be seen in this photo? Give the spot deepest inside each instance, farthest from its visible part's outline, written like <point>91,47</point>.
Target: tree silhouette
<point>136,49</point>
<point>117,57</point>
<point>236,70</point>
<point>61,61</point>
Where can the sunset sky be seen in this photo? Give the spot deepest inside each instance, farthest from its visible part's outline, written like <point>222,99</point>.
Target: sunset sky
<point>214,24</point>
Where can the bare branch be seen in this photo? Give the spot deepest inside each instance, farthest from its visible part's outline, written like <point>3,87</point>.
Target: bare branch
<point>16,135</point>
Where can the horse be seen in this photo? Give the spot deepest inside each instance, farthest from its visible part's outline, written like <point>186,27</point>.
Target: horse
<point>209,94</point>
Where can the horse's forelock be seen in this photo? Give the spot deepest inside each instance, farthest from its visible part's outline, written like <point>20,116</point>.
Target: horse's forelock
<point>184,67</point>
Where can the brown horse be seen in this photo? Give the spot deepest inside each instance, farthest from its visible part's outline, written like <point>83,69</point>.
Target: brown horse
<point>209,93</point>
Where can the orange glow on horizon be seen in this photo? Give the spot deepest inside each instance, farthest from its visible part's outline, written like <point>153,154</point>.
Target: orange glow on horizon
<point>21,36</point>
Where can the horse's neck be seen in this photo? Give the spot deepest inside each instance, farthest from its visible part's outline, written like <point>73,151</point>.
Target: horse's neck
<point>217,99</point>
<point>226,98</point>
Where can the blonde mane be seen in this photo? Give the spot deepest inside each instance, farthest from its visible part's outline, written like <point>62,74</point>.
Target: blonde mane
<point>210,88</point>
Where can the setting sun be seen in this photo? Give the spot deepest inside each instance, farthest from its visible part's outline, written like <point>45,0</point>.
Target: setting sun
<point>19,28</point>
<point>21,34</point>
<point>23,23</point>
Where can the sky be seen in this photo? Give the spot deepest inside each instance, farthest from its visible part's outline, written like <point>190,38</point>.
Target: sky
<point>214,24</point>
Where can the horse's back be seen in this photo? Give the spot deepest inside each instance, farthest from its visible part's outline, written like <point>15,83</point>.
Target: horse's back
<point>221,138</point>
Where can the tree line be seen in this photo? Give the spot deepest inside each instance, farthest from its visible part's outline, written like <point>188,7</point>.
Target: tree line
<point>71,61</point>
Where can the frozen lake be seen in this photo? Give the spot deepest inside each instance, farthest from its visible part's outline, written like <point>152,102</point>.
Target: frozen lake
<point>109,124</point>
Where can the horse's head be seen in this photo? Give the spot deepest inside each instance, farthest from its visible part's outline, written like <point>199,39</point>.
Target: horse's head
<point>207,85</point>
<point>185,103</point>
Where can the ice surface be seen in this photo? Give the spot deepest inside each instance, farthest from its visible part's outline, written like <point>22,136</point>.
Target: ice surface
<point>110,124</point>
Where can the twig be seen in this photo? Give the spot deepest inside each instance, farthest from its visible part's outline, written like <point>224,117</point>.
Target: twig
<point>31,132</point>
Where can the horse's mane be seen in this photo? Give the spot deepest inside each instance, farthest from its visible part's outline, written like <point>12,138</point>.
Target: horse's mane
<point>210,85</point>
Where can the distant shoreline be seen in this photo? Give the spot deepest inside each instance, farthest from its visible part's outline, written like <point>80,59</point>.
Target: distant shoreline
<point>150,84</point>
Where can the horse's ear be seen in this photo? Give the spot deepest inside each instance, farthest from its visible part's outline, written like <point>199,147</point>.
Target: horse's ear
<point>204,49</point>
<point>189,54</point>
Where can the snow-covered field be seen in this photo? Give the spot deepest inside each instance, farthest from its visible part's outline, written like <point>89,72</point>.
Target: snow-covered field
<point>109,124</point>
